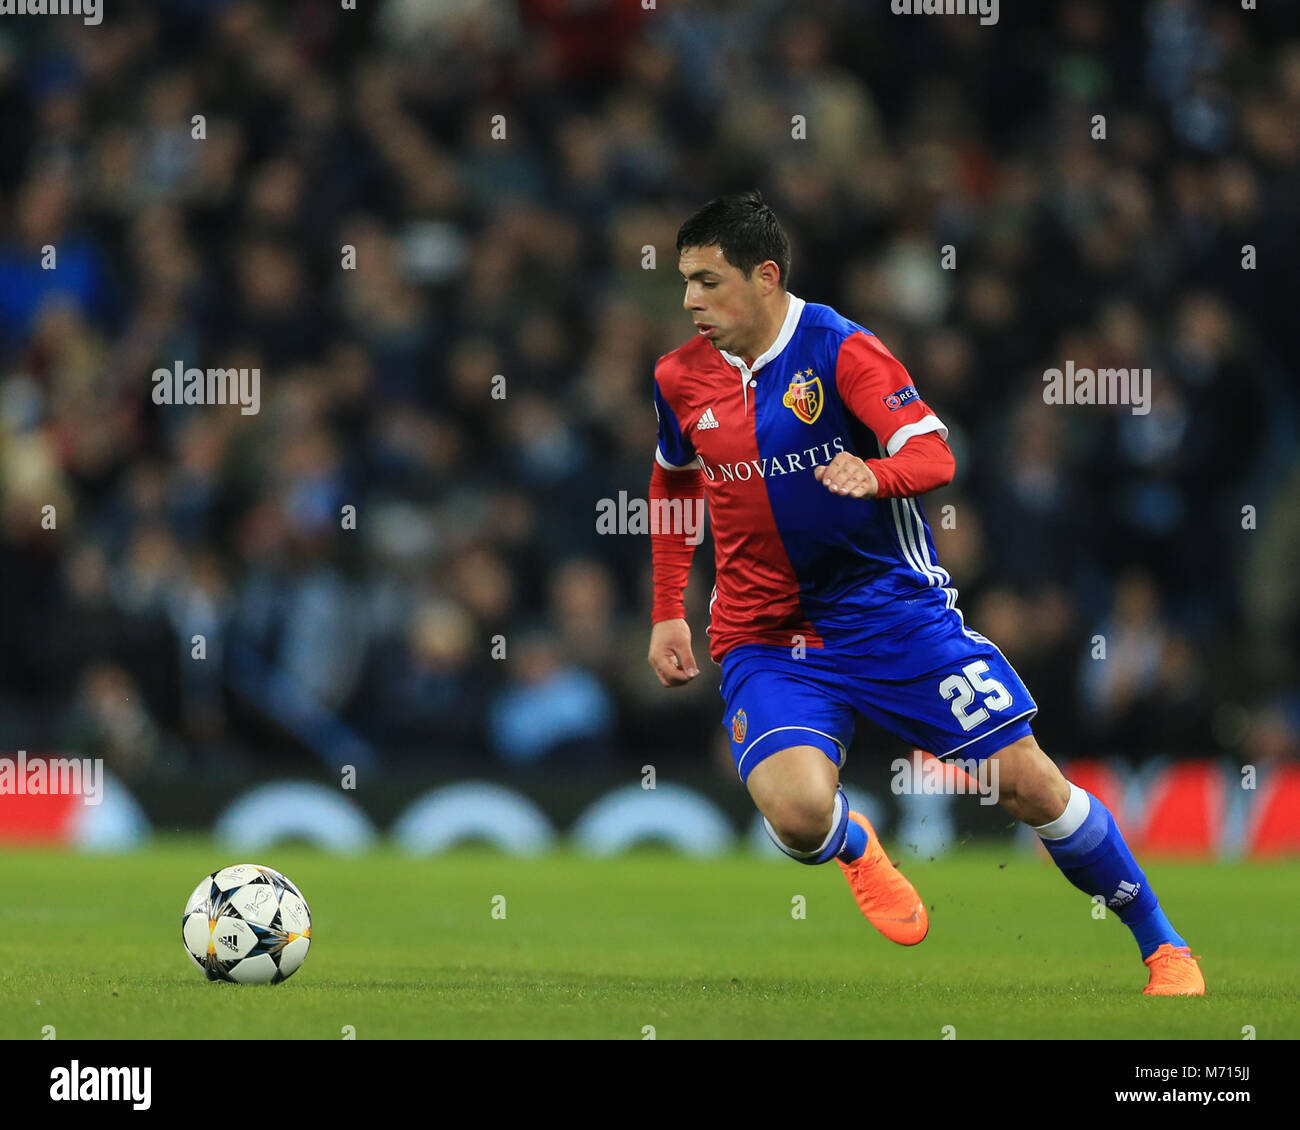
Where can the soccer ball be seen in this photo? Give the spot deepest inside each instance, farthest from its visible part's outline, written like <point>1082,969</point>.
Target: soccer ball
<point>246,923</point>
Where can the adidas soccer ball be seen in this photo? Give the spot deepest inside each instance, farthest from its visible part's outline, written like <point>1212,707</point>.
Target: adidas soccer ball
<point>246,923</point>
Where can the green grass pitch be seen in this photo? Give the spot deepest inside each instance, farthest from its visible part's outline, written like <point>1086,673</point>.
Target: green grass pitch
<point>405,948</point>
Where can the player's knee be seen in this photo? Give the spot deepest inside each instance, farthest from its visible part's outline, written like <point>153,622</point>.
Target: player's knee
<point>1030,785</point>
<point>1045,783</point>
<point>802,822</point>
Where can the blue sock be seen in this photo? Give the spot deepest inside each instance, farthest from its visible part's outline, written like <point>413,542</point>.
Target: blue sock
<point>839,842</point>
<point>855,842</point>
<point>1086,844</point>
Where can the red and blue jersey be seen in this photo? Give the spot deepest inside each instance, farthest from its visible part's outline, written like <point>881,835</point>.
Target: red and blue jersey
<point>793,559</point>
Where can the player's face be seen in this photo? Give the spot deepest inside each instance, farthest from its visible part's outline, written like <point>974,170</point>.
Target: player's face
<point>725,306</point>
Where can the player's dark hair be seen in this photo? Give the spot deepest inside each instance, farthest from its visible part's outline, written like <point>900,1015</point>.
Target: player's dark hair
<point>744,227</point>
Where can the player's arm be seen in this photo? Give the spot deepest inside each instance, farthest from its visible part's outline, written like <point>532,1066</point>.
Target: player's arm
<point>676,477</point>
<point>877,389</point>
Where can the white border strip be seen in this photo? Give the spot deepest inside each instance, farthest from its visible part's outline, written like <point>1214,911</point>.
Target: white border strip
<point>930,423</point>
<point>659,458</point>
<point>740,765</point>
<point>1028,713</point>
<point>788,326</point>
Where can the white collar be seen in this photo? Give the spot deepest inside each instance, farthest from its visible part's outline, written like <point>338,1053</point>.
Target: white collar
<point>782,339</point>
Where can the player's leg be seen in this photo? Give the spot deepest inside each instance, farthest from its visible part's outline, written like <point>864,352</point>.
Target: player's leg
<point>804,809</point>
<point>1030,786</point>
<point>807,816</point>
<point>788,737</point>
<point>971,705</point>
<point>1085,842</point>
<point>789,730</point>
<point>798,792</point>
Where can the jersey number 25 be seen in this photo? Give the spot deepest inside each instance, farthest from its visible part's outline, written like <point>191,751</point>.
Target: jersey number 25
<point>961,689</point>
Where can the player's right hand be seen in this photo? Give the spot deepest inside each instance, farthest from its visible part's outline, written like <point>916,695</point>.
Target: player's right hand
<point>670,653</point>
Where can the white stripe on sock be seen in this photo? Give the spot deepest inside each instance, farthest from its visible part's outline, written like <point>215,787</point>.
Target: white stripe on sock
<point>838,811</point>
<point>1071,820</point>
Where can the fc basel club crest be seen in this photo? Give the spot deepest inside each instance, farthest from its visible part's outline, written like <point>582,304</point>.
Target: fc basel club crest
<point>804,396</point>
<point>739,723</point>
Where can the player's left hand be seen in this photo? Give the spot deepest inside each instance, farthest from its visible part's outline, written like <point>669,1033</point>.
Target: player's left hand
<point>847,474</point>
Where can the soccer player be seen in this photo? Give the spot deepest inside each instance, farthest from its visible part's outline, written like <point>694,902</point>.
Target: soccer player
<point>811,444</point>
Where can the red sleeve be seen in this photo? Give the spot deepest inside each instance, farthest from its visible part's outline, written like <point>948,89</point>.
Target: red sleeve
<point>922,464</point>
<point>672,553</point>
<point>876,388</point>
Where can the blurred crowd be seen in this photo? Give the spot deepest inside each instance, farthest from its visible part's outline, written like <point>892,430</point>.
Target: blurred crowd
<point>426,223</point>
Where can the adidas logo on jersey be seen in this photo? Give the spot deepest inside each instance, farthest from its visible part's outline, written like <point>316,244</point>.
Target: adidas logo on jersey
<point>707,421</point>
<point>1124,895</point>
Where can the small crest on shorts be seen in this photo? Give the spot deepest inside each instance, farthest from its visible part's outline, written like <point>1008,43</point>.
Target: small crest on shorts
<point>739,724</point>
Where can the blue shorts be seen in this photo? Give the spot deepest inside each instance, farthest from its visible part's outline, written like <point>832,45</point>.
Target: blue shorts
<point>969,703</point>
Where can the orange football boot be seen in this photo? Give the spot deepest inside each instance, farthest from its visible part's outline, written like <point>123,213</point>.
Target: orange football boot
<point>1174,973</point>
<point>888,900</point>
